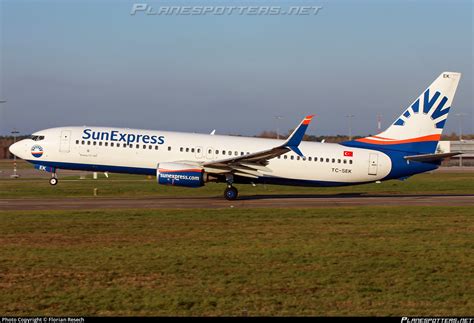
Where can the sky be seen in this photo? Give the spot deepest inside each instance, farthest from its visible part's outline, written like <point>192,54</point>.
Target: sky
<point>83,62</point>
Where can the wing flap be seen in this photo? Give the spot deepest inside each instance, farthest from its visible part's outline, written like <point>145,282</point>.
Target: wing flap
<point>245,175</point>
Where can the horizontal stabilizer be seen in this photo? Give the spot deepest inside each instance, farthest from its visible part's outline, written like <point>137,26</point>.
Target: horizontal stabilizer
<point>431,157</point>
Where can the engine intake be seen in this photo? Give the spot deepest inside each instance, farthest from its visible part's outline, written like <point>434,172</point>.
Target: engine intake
<point>179,174</point>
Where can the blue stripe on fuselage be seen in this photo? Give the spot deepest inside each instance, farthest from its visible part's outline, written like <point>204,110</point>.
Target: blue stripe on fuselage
<point>96,168</point>
<point>292,182</point>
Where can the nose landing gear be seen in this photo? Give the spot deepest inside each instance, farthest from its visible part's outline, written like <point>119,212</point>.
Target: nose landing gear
<point>54,179</point>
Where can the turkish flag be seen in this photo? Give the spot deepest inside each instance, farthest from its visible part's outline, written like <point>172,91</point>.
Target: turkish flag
<point>348,153</point>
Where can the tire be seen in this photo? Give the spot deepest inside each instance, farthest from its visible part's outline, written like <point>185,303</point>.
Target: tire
<point>53,181</point>
<point>231,193</point>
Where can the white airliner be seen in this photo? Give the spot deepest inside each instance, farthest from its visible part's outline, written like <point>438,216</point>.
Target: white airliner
<point>406,148</point>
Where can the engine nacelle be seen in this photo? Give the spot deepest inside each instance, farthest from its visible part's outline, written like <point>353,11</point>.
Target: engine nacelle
<point>180,175</point>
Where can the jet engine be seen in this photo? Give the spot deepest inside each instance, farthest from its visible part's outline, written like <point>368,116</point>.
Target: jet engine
<point>180,174</point>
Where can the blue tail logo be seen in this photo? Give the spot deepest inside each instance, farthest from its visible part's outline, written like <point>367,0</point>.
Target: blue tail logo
<point>428,108</point>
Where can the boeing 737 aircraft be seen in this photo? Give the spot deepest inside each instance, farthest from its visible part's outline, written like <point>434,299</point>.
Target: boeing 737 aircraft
<point>406,148</point>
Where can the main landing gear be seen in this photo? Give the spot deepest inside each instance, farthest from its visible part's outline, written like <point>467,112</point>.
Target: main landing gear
<point>54,179</point>
<point>230,192</point>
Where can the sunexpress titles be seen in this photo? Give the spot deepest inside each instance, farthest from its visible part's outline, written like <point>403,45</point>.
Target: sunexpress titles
<point>128,138</point>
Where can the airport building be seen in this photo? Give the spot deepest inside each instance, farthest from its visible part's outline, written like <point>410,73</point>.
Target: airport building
<point>466,147</point>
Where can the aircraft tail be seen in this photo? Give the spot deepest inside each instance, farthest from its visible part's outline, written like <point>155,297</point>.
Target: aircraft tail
<point>419,127</point>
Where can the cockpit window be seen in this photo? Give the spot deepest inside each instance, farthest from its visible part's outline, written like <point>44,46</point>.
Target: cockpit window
<point>37,138</point>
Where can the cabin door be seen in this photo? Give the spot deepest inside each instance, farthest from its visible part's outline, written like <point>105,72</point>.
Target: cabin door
<point>65,141</point>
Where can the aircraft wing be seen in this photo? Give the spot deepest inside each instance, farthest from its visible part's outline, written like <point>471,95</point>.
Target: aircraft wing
<point>252,165</point>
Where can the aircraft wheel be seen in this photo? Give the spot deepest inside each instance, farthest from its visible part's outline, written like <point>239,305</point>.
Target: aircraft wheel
<point>231,193</point>
<point>53,181</point>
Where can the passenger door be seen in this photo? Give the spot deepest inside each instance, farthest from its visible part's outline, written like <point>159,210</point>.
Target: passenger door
<point>65,141</point>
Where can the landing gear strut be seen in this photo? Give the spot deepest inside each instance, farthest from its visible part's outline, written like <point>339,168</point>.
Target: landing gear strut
<point>54,179</point>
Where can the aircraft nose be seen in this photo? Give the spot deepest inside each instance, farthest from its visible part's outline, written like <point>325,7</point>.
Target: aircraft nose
<point>15,149</point>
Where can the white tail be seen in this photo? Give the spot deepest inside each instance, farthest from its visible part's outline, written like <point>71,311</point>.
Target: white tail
<point>424,119</point>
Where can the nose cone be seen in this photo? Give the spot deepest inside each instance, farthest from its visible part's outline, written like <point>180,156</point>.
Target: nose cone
<point>15,149</point>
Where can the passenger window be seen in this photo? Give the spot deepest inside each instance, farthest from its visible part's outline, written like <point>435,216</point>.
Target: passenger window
<point>192,150</point>
<point>124,145</point>
<point>209,151</point>
<point>100,143</point>
<point>83,142</point>
<point>297,157</point>
<point>223,152</point>
<point>130,146</point>
<point>111,144</point>
<point>144,146</point>
<point>106,143</point>
<point>242,153</point>
<point>230,153</point>
<point>333,160</point>
<point>321,159</point>
<point>94,143</point>
<point>137,146</point>
<point>338,161</point>
<point>156,147</point>
<point>88,142</point>
<point>236,153</point>
<point>77,142</point>
<point>309,159</point>
<point>344,161</point>
<point>187,150</point>
<point>217,152</point>
<point>292,157</point>
<point>169,148</point>
<point>350,161</point>
<point>327,160</point>
<point>199,150</point>
<point>181,149</point>
<point>285,156</point>
<point>150,147</point>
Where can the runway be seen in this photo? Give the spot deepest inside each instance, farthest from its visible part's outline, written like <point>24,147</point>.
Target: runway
<point>256,201</point>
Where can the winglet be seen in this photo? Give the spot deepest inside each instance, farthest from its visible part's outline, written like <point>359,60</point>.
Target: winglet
<point>297,136</point>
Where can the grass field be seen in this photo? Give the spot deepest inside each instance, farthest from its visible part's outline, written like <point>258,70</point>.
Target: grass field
<point>347,261</point>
